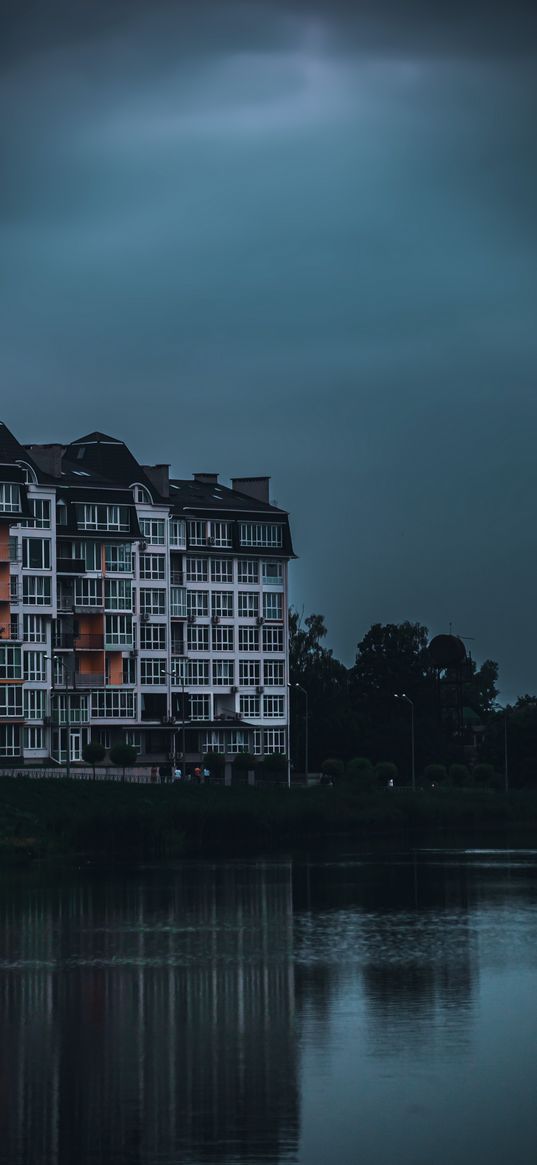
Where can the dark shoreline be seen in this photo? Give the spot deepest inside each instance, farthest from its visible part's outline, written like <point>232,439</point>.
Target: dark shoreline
<point>106,821</point>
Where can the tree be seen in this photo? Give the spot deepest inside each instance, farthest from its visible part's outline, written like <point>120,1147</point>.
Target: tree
<point>93,753</point>
<point>325,679</point>
<point>123,754</point>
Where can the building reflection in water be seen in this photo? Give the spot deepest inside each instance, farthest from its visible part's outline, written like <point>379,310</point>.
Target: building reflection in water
<point>149,1019</point>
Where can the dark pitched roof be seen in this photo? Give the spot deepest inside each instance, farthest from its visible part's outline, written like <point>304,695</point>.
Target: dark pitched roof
<point>193,495</point>
<point>11,451</point>
<point>110,459</point>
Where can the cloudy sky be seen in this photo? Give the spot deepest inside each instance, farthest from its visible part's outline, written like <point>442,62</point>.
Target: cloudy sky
<point>297,239</point>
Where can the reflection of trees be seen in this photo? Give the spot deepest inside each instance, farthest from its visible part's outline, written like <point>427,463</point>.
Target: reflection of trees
<point>156,1021</point>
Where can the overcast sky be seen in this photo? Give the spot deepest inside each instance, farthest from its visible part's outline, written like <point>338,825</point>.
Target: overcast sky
<point>296,239</point>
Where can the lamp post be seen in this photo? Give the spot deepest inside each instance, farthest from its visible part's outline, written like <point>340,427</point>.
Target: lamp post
<point>174,673</point>
<point>306,742</point>
<point>403,696</point>
<point>53,659</point>
<point>501,708</point>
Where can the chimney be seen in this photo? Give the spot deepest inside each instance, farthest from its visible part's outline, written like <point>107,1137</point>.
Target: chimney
<point>48,458</point>
<point>254,487</point>
<point>159,476</point>
<point>208,478</point>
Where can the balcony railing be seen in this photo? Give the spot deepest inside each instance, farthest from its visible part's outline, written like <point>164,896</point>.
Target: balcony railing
<point>70,566</point>
<point>125,645</point>
<point>89,680</point>
<point>176,577</point>
<point>67,642</point>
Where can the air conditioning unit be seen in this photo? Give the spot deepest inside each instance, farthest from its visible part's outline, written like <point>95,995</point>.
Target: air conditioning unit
<point>215,619</point>
<point>234,691</point>
<point>260,689</point>
<point>260,620</point>
<point>191,618</point>
<point>144,618</point>
<point>133,654</point>
<point>142,546</point>
<point>210,540</point>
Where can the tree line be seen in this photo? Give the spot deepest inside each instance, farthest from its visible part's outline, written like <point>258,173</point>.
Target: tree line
<point>353,712</point>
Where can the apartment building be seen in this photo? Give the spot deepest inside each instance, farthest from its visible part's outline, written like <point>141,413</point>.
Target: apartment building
<point>138,607</point>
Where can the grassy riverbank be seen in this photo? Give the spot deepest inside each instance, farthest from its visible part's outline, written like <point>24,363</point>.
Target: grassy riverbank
<point>105,820</point>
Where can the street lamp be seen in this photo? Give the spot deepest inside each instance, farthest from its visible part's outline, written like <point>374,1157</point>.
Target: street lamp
<point>304,692</point>
<point>174,673</point>
<point>501,708</point>
<point>403,696</point>
<point>53,659</point>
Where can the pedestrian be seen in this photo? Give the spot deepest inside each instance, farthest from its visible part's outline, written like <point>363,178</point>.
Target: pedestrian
<point>206,774</point>
<point>197,774</point>
<point>154,774</point>
<point>178,774</point>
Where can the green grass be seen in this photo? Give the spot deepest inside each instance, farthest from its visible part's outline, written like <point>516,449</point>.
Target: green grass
<point>41,817</point>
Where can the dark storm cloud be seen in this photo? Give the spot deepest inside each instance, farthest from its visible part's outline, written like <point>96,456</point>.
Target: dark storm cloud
<point>296,238</point>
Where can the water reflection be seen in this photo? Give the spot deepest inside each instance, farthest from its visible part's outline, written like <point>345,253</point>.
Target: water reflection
<point>266,1012</point>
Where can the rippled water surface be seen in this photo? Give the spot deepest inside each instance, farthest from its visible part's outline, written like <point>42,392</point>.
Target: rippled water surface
<point>379,1010</point>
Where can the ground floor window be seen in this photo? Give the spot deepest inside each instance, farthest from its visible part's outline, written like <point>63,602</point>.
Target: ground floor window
<point>10,740</point>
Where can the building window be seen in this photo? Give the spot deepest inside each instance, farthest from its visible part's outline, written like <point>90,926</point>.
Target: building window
<point>200,707</point>
<point>36,553</point>
<point>61,513</point>
<point>274,740</point>
<point>249,673</point>
<point>178,603</point>
<point>34,629</point>
<point>118,558</point>
<point>223,673</point>
<point>152,566</point>
<point>260,534</point>
<point>118,631</point>
<point>72,708</point>
<point>88,552</point>
<point>35,666</point>
<point>248,639</point>
<point>10,740</point>
<point>99,517</point>
<point>109,704</point>
<point>34,703</point>
<point>14,594</point>
<point>197,569</point>
<point>129,671</point>
<point>88,592</point>
<point>249,707</point>
<point>248,571</point>
<point>198,673</point>
<point>248,605</point>
<point>222,639</point>
<point>272,639</point>
<point>153,637</point>
<point>10,701</point>
<point>257,747</point>
<point>222,570</point>
<point>135,739</point>
<point>102,736</point>
<point>220,533</point>
<point>40,519</point>
<point>141,495</point>
<point>10,498</point>
<point>153,671</point>
<point>153,530</point>
<point>273,673</point>
<point>198,639</point>
<point>36,590</point>
<point>33,739</point>
<point>178,533</point>
<point>222,604</point>
<point>273,707</point>
<point>273,605</point>
<point>237,742</point>
<point>213,742</point>
<point>152,601</point>
<point>272,574</point>
<point>10,662</point>
<point>198,603</point>
<point>198,533</point>
<point>118,594</point>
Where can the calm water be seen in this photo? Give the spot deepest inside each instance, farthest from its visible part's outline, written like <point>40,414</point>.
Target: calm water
<point>372,1010</point>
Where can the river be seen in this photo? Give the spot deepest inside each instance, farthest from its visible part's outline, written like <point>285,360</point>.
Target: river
<point>372,1008</point>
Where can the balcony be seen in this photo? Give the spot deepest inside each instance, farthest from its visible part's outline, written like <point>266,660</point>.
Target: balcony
<point>70,566</point>
<point>69,642</point>
<point>124,645</point>
<point>89,680</point>
<point>177,577</point>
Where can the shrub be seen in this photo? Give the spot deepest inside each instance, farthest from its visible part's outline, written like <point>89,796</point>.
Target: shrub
<point>332,767</point>
<point>214,761</point>
<point>485,775</point>
<point>93,753</point>
<point>360,771</point>
<point>459,775</point>
<point>245,761</point>
<point>123,754</point>
<point>435,774</point>
<point>386,771</point>
<point>274,762</point>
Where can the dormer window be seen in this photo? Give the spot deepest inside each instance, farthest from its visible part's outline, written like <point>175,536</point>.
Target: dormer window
<point>142,496</point>
<point>29,473</point>
<point>61,513</point>
<point>10,498</point>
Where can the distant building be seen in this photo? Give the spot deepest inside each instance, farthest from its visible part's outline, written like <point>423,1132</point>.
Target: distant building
<point>136,607</point>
